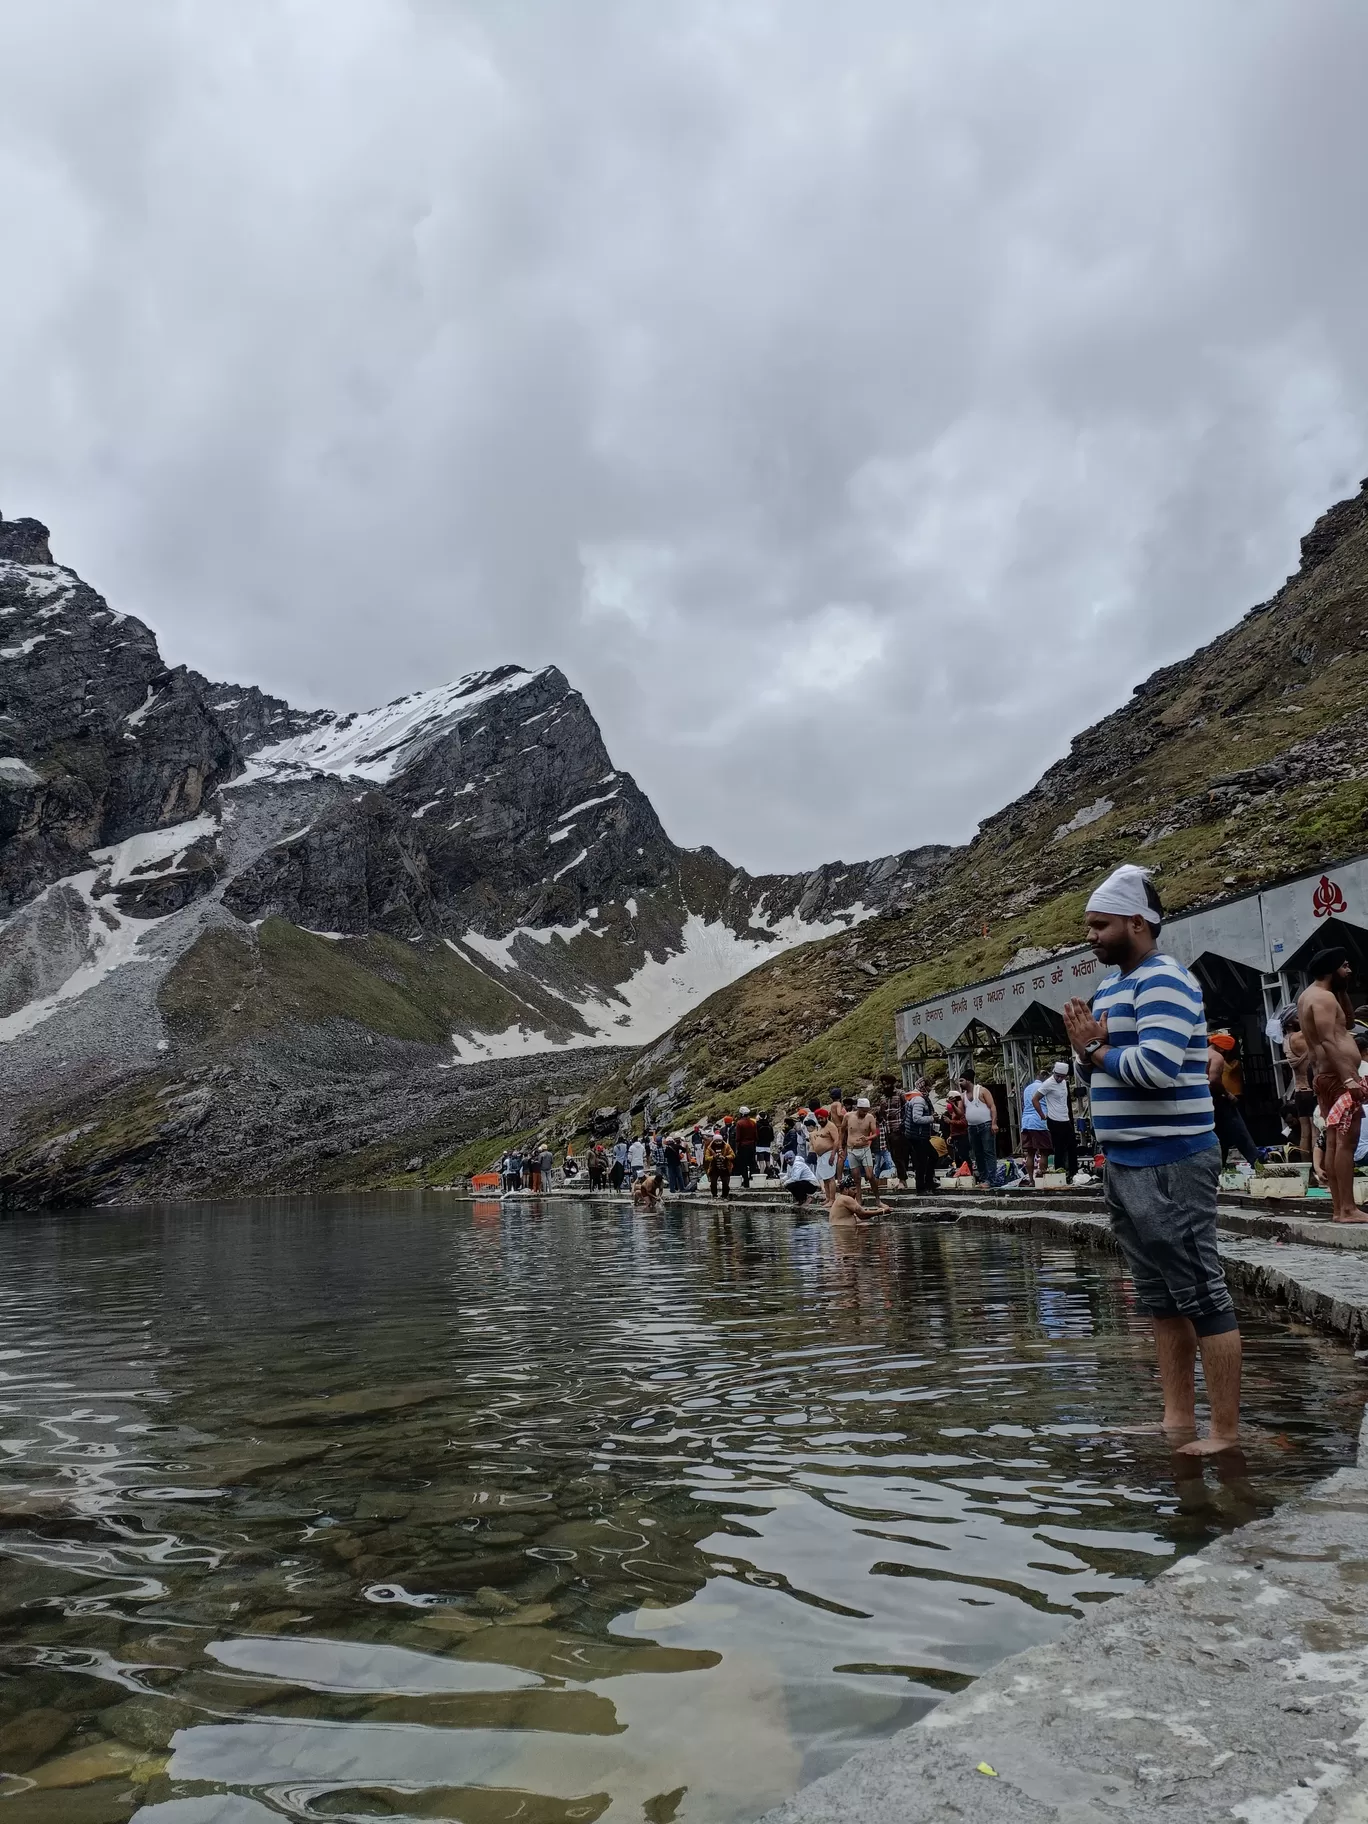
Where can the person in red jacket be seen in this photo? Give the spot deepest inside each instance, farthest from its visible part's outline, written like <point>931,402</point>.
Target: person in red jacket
<point>743,1138</point>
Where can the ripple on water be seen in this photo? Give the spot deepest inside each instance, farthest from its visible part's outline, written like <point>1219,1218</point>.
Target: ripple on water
<point>388,1508</point>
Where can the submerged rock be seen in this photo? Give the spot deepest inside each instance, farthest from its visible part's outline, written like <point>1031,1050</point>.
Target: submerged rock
<point>30,1736</point>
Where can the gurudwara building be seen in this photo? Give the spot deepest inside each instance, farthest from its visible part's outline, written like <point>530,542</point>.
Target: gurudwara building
<point>1249,953</point>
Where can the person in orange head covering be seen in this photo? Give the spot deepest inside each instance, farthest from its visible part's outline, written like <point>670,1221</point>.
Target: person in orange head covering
<point>1226,1081</point>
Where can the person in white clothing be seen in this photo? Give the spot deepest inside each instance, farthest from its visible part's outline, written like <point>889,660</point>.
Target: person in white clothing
<point>980,1113</point>
<point>800,1179</point>
<point>1052,1098</point>
<point>636,1159</point>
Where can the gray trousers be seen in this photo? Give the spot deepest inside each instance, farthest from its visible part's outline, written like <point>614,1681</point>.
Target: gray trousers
<point>1164,1217</point>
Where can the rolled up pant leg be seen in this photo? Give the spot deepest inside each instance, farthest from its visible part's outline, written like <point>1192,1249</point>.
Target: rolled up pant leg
<point>1164,1217</point>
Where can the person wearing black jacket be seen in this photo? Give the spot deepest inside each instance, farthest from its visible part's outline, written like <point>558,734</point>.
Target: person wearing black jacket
<point>919,1123</point>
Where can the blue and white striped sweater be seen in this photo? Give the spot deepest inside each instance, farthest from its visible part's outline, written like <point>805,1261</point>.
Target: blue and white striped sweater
<point>1151,1101</point>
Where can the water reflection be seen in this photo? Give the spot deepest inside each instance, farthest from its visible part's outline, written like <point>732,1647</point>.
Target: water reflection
<point>384,1509</point>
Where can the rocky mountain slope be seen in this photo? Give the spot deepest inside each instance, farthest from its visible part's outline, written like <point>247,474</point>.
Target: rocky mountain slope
<point>1242,763</point>
<point>222,907</point>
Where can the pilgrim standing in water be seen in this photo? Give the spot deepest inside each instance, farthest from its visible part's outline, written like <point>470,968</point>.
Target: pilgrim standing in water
<point>1142,1050</point>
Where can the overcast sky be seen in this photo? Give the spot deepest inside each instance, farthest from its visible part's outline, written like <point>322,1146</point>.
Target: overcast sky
<point>854,399</point>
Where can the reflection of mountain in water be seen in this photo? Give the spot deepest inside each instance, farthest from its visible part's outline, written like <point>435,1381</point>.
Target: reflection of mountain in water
<point>615,1516</point>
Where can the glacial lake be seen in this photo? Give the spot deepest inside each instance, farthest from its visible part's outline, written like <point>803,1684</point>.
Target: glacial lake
<point>404,1507</point>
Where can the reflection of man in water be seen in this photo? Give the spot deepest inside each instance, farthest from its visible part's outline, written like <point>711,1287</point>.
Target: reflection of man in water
<point>1327,1022</point>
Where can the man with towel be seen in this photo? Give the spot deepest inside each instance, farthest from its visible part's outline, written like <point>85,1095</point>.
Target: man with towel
<point>1142,1050</point>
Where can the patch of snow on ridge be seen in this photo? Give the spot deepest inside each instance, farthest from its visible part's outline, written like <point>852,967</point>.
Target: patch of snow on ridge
<point>513,1042</point>
<point>582,856</point>
<point>114,941</point>
<point>587,805</point>
<point>496,950</point>
<point>654,996</point>
<point>499,950</point>
<point>376,744</point>
<point>128,859</point>
<point>658,993</point>
<point>136,717</point>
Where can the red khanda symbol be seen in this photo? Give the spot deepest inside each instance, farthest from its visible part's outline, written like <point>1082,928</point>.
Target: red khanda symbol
<point>1327,899</point>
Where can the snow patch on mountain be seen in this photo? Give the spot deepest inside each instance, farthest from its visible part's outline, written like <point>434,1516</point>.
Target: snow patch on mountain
<point>376,744</point>
<point>654,996</point>
<point>113,941</point>
<point>153,851</point>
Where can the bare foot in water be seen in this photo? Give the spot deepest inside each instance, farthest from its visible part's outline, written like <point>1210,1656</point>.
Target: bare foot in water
<point>1207,1447</point>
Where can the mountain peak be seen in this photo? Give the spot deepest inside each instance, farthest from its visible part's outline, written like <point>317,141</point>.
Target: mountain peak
<point>378,744</point>
<point>24,541</point>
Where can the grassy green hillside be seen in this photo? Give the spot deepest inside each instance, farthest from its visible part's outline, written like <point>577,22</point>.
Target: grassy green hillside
<point>233,983</point>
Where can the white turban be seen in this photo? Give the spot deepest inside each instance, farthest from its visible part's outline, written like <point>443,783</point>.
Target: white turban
<point>1123,894</point>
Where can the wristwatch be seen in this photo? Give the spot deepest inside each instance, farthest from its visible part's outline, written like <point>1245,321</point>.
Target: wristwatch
<point>1092,1046</point>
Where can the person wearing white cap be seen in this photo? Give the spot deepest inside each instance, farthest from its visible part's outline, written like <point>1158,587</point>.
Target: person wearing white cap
<point>1142,1048</point>
<point>1051,1100</point>
<point>744,1135</point>
<point>862,1127</point>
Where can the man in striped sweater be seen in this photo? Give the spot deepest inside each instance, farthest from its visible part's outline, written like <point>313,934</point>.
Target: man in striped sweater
<point>1142,1051</point>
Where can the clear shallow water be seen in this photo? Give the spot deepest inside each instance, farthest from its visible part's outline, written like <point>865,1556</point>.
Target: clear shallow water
<point>404,1508</point>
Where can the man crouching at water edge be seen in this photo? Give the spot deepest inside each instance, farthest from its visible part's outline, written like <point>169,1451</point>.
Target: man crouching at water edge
<point>1142,1050</point>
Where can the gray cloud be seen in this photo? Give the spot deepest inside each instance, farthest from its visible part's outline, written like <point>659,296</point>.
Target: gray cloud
<point>855,401</point>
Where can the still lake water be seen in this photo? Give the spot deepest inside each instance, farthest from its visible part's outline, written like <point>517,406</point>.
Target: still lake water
<point>408,1508</point>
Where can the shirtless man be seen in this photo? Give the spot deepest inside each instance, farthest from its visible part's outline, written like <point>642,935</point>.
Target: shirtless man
<point>828,1151</point>
<point>846,1208</point>
<point>840,1114</point>
<point>1327,1021</point>
<point>1298,1055</point>
<point>862,1130</point>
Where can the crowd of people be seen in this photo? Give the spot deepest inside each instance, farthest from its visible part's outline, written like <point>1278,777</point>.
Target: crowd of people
<point>912,1138</point>
<point>831,1146</point>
